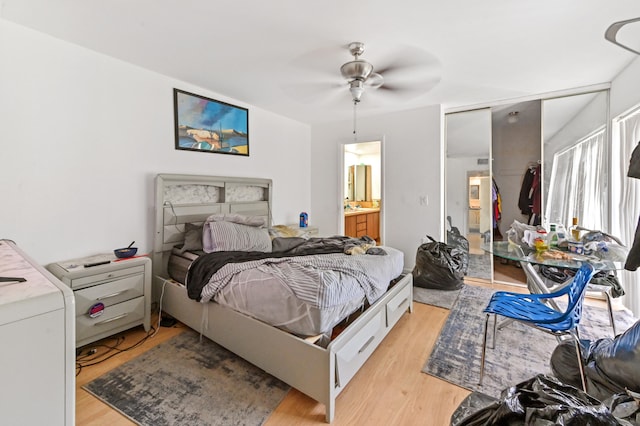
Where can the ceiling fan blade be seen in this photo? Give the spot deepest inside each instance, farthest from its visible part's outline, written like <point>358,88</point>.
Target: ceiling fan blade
<point>406,58</point>
<point>315,92</point>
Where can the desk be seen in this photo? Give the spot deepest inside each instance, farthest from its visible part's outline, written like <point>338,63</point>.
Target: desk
<point>536,283</point>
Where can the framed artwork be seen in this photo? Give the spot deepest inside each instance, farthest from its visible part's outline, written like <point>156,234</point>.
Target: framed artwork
<point>474,192</point>
<point>207,125</point>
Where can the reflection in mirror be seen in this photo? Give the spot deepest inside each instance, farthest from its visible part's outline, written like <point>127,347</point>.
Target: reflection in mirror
<point>468,184</point>
<point>360,183</point>
<point>575,159</point>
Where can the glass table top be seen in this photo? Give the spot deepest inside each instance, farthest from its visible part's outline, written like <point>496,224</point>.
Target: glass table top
<point>557,258</point>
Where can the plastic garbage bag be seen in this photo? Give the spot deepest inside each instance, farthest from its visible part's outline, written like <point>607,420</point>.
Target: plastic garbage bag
<point>439,266</point>
<point>455,239</point>
<point>611,366</point>
<point>516,233</point>
<point>541,401</point>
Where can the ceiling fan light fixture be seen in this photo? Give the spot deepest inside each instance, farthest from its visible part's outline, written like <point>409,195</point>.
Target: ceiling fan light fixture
<point>356,87</point>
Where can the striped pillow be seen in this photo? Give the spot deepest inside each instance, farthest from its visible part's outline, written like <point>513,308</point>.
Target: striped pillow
<point>229,236</point>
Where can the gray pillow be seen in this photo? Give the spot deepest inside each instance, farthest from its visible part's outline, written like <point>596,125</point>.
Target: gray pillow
<point>192,237</point>
<point>229,236</point>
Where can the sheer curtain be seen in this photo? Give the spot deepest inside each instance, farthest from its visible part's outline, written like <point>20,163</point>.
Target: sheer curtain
<point>626,198</point>
<point>578,184</point>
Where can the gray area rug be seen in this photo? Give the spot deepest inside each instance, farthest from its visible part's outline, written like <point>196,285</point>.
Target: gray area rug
<point>479,266</point>
<point>187,382</point>
<point>440,298</point>
<point>520,352</point>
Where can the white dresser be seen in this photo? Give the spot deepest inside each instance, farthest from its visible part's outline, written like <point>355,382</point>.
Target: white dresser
<point>37,331</point>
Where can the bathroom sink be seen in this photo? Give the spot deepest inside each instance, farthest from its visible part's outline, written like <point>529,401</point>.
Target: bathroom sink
<point>362,209</point>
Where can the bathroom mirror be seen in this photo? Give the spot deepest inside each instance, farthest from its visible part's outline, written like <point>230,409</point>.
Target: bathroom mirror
<point>359,183</point>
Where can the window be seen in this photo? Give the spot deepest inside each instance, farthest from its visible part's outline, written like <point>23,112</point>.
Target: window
<point>626,197</point>
<point>578,185</point>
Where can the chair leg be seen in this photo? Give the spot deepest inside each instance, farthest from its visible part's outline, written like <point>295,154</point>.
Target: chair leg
<point>576,339</point>
<point>611,319</point>
<point>495,326</point>
<point>484,349</point>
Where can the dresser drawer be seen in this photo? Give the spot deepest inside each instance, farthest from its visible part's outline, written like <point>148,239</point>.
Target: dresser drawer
<point>109,293</point>
<point>359,348</point>
<point>131,311</point>
<point>88,280</point>
<point>398,305</point>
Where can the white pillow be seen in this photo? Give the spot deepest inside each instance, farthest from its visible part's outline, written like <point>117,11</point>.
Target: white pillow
<point>230,236</point>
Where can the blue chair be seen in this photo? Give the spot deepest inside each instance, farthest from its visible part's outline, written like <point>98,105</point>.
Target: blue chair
<point>532,310</point>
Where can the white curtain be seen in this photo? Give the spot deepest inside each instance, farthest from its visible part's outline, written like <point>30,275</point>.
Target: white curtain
<point>578,184</point>
<point>626,198</point>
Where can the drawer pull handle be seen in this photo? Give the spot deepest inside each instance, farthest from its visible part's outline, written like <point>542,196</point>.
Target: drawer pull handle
<point>111,319</point>
<point>402,303</point>
<point>367,343</point>
<point>108,296</point>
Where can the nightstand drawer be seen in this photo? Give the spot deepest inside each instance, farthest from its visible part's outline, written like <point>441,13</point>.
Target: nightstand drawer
<point>105,276</point>
<point>109,293</point>
<point>131,311</point>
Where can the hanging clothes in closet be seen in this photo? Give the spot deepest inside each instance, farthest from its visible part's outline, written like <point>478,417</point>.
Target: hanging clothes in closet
<point>497,209</point>
<point>529,201</point>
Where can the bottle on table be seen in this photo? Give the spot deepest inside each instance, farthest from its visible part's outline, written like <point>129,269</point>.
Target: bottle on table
<point>575,232</point>
<point>553,237</point>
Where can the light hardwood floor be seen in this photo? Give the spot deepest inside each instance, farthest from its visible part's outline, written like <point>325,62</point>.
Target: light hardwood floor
<point>390,389</point>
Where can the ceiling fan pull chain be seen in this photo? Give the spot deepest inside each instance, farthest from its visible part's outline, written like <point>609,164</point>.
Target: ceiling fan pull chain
<point>355,137</point>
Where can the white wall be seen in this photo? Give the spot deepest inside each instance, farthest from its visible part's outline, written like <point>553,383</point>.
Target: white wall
<point>83,136</point>
<point>411,164</point>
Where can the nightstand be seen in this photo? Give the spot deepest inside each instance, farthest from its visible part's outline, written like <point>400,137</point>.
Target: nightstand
<point>311,231</point>
<point>110,297</point>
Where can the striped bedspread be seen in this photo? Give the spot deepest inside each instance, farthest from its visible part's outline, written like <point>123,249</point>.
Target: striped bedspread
<point>323,280</point>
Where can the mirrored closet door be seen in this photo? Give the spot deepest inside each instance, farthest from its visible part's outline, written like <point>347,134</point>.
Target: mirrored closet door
<point>536,162</point>
<point>468,184</point>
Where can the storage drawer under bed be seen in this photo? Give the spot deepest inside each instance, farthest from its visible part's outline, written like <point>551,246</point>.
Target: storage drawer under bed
<point>350,358</point>
<point>398,305</point>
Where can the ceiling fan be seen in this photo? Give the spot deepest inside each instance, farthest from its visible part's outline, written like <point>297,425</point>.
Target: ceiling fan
<point>361,74</point>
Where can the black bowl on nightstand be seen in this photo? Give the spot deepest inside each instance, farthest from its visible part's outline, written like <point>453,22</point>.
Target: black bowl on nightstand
<point>123,253</point>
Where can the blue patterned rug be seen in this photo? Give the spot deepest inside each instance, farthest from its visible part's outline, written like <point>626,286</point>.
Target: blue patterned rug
<point>520,352</point>
<point>187,382</point>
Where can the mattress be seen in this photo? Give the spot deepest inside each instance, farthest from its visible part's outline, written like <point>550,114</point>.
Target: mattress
<point>269,297</point>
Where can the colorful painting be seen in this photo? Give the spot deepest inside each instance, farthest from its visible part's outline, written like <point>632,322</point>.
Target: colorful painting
<point>207,125</point>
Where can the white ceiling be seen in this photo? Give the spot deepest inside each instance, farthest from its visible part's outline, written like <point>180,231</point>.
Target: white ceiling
<point>284,55</point>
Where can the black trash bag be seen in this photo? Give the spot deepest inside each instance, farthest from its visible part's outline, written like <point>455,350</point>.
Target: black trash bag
<point>542,401</point>
<point>439,266</point>
<point>455,239</point>
<point>611,366</point>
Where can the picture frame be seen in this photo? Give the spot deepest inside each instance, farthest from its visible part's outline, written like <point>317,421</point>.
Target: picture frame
<point>206,125</point>
<point>474,192</point>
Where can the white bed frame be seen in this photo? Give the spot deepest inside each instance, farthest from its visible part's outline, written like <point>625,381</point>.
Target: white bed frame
<point>321,373</point>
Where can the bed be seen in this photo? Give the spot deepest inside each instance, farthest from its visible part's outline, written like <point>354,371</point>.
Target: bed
<point>285,351</point>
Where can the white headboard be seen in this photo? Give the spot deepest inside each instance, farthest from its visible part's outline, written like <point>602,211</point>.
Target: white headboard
<point>182,199</point>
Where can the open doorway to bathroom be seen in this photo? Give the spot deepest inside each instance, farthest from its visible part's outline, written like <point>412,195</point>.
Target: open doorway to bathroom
<point>362,199</point>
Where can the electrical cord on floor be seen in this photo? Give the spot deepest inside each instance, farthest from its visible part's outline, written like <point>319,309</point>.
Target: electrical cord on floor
<point>110,353</point>
<point>85,361</point>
